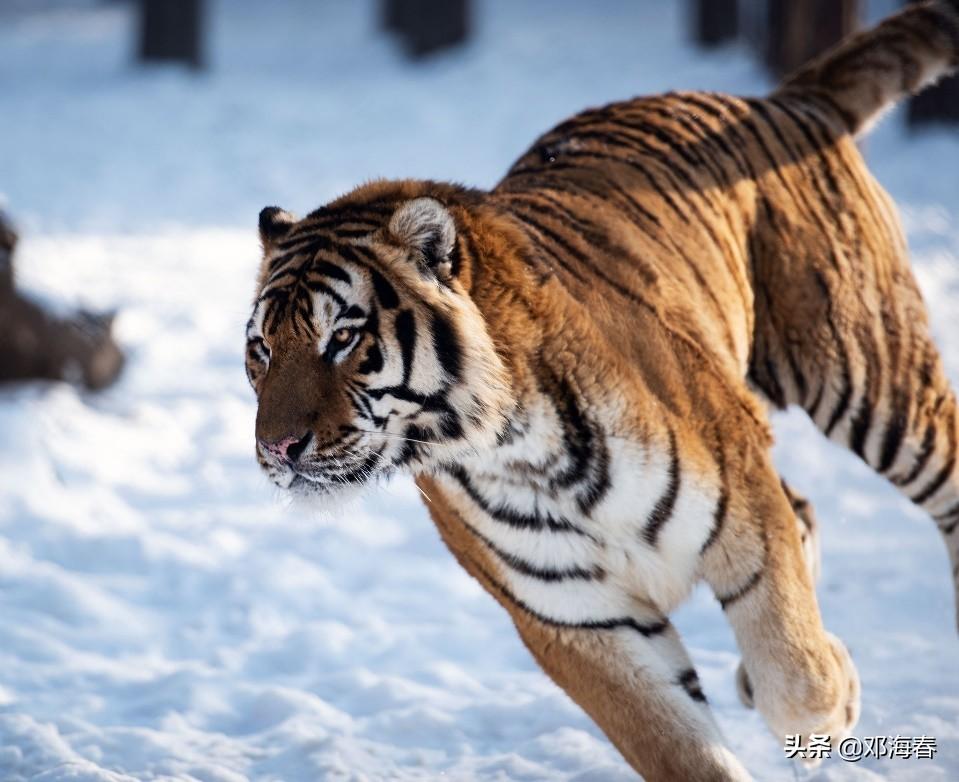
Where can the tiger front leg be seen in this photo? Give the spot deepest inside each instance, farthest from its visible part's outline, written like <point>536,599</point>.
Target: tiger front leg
<point>643,692</point>
<point>632,676</point>
<point>808,528</point>
<point>800,678</point>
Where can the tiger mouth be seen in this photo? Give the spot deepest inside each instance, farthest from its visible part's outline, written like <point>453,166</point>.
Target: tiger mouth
<point>327,476</point>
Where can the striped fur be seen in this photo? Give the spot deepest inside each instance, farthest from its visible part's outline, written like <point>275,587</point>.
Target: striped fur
<point>577,367</point>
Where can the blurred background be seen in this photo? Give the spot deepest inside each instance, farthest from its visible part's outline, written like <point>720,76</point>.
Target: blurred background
<point>163,615</point>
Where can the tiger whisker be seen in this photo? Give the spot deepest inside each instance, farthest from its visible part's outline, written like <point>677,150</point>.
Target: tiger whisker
<point>401,437</point>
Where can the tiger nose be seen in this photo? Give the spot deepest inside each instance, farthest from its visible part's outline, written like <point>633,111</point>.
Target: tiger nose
<point>288,449</point>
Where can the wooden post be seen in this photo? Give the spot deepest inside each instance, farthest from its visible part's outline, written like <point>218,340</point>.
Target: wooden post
<point>714,22</point>
<point>427,26</point>
<point>798,30</point>
<point>8,242</point>
<point>935,104</point>
<point>172,31</point>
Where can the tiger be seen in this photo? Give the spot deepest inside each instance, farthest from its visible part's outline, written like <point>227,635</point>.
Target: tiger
<point>578,369</point>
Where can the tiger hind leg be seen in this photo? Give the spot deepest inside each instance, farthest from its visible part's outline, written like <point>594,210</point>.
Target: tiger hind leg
<point>842,331</point>
<point>878,387</point>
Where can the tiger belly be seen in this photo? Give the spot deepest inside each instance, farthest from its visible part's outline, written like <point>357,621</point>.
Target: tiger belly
<point>632,553</point>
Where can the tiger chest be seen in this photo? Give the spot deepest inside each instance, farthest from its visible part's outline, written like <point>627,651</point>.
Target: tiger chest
<point>583,526</point>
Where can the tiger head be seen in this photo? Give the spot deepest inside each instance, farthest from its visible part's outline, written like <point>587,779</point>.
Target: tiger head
<point>365,350</point>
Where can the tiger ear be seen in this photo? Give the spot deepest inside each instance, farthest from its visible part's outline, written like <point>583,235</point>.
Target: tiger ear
<point>275,223</point>
<point>426,227</point>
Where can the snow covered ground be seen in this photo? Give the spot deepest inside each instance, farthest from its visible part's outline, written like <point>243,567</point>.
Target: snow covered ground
<point>162,614</point>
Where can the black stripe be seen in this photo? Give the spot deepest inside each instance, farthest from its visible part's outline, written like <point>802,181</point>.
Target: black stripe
<point>346,213</point>
<point>736,150</point>
<point>926,449</point>
<point>321,287</point>
<point>584,447</point>
<point>446,346</point>
<point>845,396</point>
<point>524,567</point>
<point>429,402</point>
<point>507,515</point>
<point>373,361</point>
<point>563,244</point>
<point>663,509</point>
<point>941,477</point>
<point>773,388</point>
<point>634,165</point>
<point>405,329</point>
<point>862,420</point>
<point>385,293</point>
<point>451,428</point>
<point>744,590</point>
<point>331,270</point>
<point>798,377</point>
<point>361,402</point>
<point>814,407</point>
<point>308,246</point>
<point>722,501</point>
<point>662,156</point>
<point>951,516</point>
<point>353,312</point>
<point>625,623</point>
<point>950,456</point>
<point>355,233</point>
<point>689,681</point>
<point>895,433</point>
<point>701,137</point>
<point>593,233</point>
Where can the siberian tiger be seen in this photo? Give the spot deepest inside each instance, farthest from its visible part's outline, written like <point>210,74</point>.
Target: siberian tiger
<point>577,365</point>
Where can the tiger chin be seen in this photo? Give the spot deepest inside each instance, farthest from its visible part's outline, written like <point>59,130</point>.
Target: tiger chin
<point>577,366</point>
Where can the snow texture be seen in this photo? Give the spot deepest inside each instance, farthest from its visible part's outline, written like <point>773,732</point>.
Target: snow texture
<point>163,615</point>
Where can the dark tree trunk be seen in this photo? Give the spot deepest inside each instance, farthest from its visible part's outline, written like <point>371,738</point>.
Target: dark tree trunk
<point>392,13</point>
<point>8,241</point>
<point>935,104</point>
<point>715,21</point>
<point>172,31</point>
<point>798,30</point>
<point>427,26</point>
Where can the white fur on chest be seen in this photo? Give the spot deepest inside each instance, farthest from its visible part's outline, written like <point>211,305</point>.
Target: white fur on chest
<point>514,486</point>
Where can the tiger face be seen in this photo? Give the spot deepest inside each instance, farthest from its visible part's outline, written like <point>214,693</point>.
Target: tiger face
<point>364,349</point>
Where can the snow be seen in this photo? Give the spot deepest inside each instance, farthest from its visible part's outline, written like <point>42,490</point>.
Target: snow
<point>163,614</point>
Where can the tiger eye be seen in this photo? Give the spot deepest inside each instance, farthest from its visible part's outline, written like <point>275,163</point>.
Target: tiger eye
<point>342,336</point>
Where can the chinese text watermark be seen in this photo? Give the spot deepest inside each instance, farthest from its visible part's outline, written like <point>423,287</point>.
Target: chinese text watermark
<point>853,748</point>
